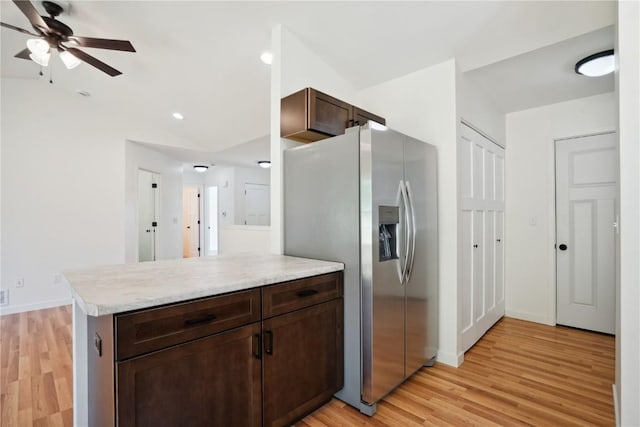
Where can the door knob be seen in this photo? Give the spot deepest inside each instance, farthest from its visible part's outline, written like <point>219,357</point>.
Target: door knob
<point>562,247</point>
<point>188,226</point>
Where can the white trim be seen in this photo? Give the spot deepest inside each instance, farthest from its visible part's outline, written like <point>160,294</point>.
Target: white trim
<point>450,359</point>
<point>530,317</point>
<point>476,129</point>
<point>616,405</point>
<point>35,306</point>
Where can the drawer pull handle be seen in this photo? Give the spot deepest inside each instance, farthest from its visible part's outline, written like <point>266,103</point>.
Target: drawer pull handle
<point>269,342</point>
<point>258,353</point>
<point>306,293</point>
<point>203,319</point>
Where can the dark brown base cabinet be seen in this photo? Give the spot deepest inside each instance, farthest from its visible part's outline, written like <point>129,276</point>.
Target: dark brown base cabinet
<point>267,356</point>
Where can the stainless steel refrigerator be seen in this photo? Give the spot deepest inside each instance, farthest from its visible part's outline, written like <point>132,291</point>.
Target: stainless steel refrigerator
<point>368,198</point>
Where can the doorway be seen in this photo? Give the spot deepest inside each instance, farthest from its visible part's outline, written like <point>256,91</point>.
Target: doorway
<point>586,217</point>
<point>148,210</point>
<point>191,207</point>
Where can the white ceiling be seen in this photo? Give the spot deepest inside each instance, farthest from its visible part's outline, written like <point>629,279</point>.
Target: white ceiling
<point>201,58</point>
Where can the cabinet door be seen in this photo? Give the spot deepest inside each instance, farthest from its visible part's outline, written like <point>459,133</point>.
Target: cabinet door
<point>361,117</point>
<point>303,361</point>
<point>328,114</point>
<point>211,381</point>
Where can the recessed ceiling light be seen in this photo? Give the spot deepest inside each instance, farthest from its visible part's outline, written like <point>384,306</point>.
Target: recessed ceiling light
<point>178,116</point>
<point>267,57</point>
<point>264,164</point>
<point>596,65</point>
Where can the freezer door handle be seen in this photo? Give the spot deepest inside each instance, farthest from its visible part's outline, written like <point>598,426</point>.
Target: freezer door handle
<point>405,223</point>
<point>412,232</point>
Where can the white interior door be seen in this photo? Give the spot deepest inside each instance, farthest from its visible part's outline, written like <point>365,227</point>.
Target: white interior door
<point>481,226</point>
<point>256,207</point>
<point>190,221</point>
<point>586,199</point>
<point>211,210</point>
<point>147,215</point>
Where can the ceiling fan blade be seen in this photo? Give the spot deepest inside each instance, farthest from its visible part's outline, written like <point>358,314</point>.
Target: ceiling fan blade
<point>93,61</point>
<point>124,45</point>
<point>23,54</point>
<point>22,30</point>
<point>32,14</point>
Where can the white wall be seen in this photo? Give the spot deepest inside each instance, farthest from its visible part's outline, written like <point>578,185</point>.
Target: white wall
<point>243,176</point>
<point>530,195</point>
<point>223,178</point>
<point>63,187</point>
<point>244,238</point>
<point>295,66</point>
<point>423,105</point>
<point>628,334</point>
<point>476,108</point>
<point>169,231</point>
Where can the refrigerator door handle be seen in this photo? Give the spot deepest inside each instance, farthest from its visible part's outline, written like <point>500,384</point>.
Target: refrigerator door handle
<point>412,254</point>
<point>406,227</point>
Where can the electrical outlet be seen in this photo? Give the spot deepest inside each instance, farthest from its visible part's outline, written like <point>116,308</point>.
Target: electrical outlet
<point>20,283</point>
<point>4,296</point>
<point>57,279</point>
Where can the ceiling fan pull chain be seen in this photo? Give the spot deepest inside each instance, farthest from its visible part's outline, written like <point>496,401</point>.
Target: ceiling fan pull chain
<point>50,75</point>
<point>40,73</point>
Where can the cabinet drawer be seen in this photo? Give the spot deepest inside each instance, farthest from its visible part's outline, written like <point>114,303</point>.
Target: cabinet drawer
<point>153,329</point>
<point>297,294</point>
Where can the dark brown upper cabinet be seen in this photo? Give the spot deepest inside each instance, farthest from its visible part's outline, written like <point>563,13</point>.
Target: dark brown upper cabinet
<point>310,115</point>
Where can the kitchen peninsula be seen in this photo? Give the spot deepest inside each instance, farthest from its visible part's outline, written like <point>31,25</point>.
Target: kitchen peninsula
<point>243,339</point>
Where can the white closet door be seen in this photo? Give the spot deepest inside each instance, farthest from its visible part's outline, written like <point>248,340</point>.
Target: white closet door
<point>481,226</point>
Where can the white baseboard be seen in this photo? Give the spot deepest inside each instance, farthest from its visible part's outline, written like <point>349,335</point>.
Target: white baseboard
<point>35,306</point>
<point>530,317</point>
<point>616,408</point>
<point>450,359</point>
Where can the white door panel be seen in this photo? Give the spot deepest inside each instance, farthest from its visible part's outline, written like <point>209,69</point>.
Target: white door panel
<point>257,208</point>
<point>481,285</point>
<point>466,293</point>
<point>478,266</point>
<point>586,191</point>
<point>489,264</point>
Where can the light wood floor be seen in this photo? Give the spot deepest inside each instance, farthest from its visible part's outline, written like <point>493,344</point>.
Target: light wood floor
<point>519,373</point>
<point>36,376</point>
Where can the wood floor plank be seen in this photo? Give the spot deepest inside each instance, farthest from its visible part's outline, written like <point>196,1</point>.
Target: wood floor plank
<point>518,374</point>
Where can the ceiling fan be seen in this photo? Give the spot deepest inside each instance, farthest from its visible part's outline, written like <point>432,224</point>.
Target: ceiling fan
<point>51,34</point>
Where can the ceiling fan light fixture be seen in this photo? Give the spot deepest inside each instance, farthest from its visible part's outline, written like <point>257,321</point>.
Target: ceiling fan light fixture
<point>38,46</point>
<point>596,65</point>
<point>70,61</point>
<point>266,164</point>
<point>41,59</point>
<point>201,168</point>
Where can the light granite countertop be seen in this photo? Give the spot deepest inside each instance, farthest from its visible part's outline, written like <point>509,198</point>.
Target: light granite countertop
<point>119,288</point>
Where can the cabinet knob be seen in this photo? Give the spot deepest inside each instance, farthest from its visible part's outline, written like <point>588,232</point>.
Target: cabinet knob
<point>475,246</point>
<point>498,240</point>
<point>562,247</point>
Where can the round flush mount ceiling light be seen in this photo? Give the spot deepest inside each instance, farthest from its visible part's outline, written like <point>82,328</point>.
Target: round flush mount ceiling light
<point>596,65</point>
<point>264,164</point>
<point>267,57</point>
<point>201,168</point>
<point>178,116</point>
